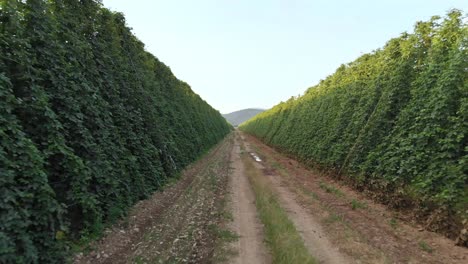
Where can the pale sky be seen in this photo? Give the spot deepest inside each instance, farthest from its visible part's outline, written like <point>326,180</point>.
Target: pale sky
<point>240,54</point>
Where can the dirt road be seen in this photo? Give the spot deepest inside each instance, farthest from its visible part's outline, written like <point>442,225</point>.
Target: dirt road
<point>176,225</point>
<point>210,216</point>
<point>346,221</point>
<point>249,247</point>
<point>315,239</point>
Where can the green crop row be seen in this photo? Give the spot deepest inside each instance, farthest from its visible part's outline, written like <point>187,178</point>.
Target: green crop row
<point>90,123</point>
<point>395,120</point>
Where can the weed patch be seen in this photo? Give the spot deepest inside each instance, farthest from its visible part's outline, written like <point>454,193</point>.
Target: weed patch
<point>331,189</point>
<point>424,246</point>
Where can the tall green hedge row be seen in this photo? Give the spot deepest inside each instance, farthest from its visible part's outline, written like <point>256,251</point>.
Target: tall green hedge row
<point>395,119</point>
<point>90,123</point>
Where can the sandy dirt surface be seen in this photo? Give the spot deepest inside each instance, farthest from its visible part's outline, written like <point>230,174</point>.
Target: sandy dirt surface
<point>311,231</point>
<point>249,247</point>
<point>187,222</point>
<point>363,230</point>
<point>176,225</point>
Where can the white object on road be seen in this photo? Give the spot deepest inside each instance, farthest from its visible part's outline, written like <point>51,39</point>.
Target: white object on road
<point>256,158</point>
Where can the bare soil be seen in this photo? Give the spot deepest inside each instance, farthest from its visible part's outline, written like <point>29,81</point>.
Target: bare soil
<point>362,230</point>
<point>176,225</point>
<point>184,223</point>
<point>311,231</point>
<point>246,224</point>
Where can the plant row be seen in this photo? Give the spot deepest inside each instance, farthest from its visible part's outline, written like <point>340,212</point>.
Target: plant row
<point>90,123</point>
<point>394,120</point>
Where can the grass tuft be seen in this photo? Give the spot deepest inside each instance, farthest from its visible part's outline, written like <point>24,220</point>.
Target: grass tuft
<point>333,218</point>
<point>424,246</point>
<point>393,223</point>
<point>331,189</point>
<point>355,204</point>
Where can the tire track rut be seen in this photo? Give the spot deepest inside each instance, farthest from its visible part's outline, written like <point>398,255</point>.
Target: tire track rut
<point>249,247</point>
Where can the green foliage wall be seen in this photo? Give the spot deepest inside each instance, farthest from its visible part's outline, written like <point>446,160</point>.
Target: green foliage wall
<point>396,118</point>
<point>90,123</point>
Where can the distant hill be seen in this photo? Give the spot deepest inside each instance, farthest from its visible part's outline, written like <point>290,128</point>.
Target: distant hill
<point>238,117</point>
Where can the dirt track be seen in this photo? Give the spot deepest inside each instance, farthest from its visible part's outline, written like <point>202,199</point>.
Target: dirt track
<point>315,239</point>
<point>249,247</point>
<point>177,225</point>
<point>362,230</point>
<point>186,223</point>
